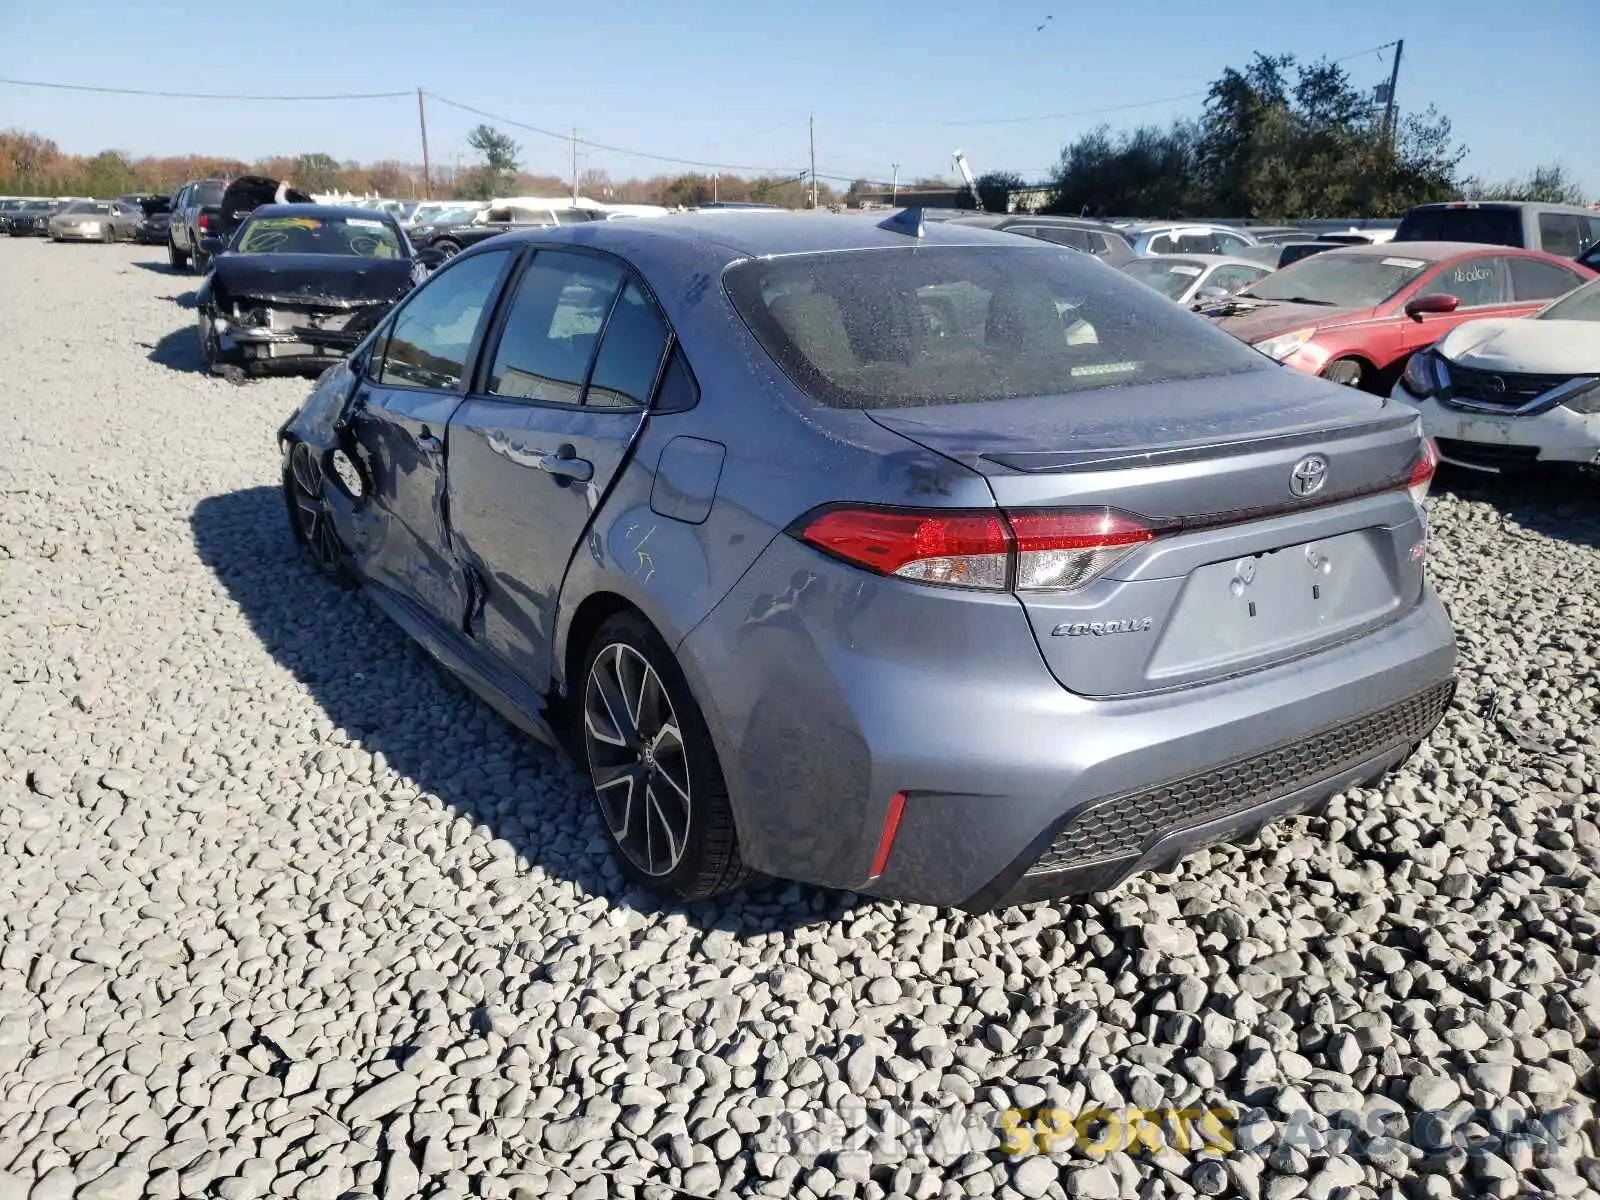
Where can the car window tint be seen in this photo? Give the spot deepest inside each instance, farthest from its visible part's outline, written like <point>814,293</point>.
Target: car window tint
<point>1475,282</point>
<point>630,353</point>
<point>1590,232</point>
<point>552,327</point>
<point>1535,280</point>
<point>1491,226</point>
<point>1228,243</point>
<point>1162,243</point>
<point>1561,234</point>
<point>1078,239</point>
<point>956,324</point>
<point>432,335</point>
<point>678,391</point>
<point>1231,279</point>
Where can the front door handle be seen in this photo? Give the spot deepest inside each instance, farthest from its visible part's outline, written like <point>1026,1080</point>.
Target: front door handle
<point>566,465</point>
<point>429,444</point>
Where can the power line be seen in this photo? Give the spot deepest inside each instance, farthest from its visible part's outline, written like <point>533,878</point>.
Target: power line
<point>550,133</point>
<point>117,91</point>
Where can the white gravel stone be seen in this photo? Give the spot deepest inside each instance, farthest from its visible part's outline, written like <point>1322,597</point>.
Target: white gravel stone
<point>286,912</point>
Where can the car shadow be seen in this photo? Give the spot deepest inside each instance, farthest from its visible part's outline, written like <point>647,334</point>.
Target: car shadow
<point>161,268</point>
<point>1557,504</point>
<point>303,619</point>
<point>178,350</point>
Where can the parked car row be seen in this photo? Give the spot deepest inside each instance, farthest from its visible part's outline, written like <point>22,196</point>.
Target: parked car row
<point>132,218</point>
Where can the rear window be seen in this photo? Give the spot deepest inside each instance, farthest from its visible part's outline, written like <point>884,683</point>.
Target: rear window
<point>1488,226</point>
<point>207,194</point>
<point>925,325</point>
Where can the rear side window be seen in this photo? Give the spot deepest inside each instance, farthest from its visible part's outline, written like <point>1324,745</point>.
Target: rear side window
<point>1489,226</point>
<point>1535,280</point>
<point>942,325</point>
<point>1560,234</point>
<point>1078,239</point>
<point>630,353</point>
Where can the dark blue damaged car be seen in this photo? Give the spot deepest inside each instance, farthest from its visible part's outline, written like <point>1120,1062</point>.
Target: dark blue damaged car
<point>925,561</point>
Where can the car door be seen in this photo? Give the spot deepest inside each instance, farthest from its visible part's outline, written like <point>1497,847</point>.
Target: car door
<point>399,416</point>
<point>175,230</point>
<point>1482,285</point>
<point>539,440</point>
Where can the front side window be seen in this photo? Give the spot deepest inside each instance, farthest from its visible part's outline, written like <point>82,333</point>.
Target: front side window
<point>553,327</point>
<point>1476,282</point>
<point>1231,279</point>
<point>1171,277</point>
<point>960,324</point>
<point>431,336</point>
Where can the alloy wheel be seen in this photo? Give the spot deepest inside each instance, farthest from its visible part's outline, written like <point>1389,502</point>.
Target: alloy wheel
<point>311,510</point>
<point>637,759</point>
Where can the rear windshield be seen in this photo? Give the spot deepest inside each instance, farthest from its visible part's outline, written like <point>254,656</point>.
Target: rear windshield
<point>209,193</point>
<point>1489,226</point>
<point>926,325</point>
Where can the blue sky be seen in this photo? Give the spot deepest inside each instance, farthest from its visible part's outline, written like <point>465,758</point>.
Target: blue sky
<point>727,82</point>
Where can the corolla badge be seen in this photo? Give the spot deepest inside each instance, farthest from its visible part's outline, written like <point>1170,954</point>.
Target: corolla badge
<point>1102,628</point>
<point>1308,476</point>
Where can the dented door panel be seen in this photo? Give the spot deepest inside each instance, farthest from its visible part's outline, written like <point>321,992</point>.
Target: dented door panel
<point>401,433</point>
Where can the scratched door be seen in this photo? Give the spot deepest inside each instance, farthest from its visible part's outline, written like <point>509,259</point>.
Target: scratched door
<point>535,447</point>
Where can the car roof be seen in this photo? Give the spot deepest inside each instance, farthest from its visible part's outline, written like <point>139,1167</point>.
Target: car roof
<point>1538,205</point>
<point>751,235</point>
<point>1001,220</point>
<point>327,212</point>
<point>1147,226</point>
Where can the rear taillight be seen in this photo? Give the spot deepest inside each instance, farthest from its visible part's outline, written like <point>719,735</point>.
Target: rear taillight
<point>1034,550</point>
<point>205,222</point>
<point>1422,471</point>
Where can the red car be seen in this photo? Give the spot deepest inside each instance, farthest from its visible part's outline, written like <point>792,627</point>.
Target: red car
<point>1354,315</point>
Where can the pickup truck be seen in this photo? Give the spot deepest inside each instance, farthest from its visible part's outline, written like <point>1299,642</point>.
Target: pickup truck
<point>214,208</point>
<point>194,209</point>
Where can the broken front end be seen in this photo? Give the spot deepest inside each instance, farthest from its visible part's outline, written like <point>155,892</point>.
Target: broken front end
<point>263,333</point>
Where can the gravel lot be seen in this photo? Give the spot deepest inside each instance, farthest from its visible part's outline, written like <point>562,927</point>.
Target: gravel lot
<point>286,912</point>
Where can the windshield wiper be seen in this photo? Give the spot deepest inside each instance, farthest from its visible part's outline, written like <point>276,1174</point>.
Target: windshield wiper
<point>1307,300</point>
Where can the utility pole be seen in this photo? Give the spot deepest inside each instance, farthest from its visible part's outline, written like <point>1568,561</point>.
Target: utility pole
<point>1390,112</point>
<point>894,186</point>
<point>813,127</point>
<point>574,164</point>
<point>714,196</point>
<point>427,174</point>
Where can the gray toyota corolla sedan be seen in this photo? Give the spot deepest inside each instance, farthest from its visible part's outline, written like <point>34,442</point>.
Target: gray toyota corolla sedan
<point>929,562</point>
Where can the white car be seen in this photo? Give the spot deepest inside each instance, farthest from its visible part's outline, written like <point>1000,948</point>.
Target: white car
<point>1503,394</point>
<point>1184,277</point>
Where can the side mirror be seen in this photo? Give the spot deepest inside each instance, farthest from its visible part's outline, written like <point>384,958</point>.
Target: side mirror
<point>430,257</point>
<point>1432,302</point>
<point>211,245</point>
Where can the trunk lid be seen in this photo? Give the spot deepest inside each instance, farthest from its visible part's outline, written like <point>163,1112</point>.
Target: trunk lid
<point>1243,573</point>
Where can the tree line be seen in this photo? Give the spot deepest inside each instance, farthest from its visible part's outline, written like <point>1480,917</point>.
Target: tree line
<point>32,165</point>
<point>1276,140</point>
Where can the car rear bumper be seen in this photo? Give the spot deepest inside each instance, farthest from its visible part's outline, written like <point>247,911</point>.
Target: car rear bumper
<point>1491,442</point>
<point>1013,788</point>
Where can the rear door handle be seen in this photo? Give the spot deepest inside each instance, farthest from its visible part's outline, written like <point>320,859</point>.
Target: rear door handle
<point>566,465</point>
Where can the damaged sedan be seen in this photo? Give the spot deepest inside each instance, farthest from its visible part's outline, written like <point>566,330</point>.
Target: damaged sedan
<point>299,285</point>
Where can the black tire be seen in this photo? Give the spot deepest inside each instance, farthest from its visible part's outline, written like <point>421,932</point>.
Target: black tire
<point>675,790</point>
<point>208,344</point>
<point>447,248</point>
<point>176,259</point>
<point>310,518</point>
<point>1351,372</point>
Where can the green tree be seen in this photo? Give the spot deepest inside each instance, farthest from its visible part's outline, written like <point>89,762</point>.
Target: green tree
<point>108,174</point>
<point>1549,184</point>
<point>316,172</point>
<point>499,167</point>
<point>994,189</point>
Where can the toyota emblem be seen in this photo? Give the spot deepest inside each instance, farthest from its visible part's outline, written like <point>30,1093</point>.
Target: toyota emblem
<point>1308,475</point>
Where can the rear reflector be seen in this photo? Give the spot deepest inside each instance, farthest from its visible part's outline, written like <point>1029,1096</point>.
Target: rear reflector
<point>1031,550</point>
<point>1422,471</point>
<point>891,826</point>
